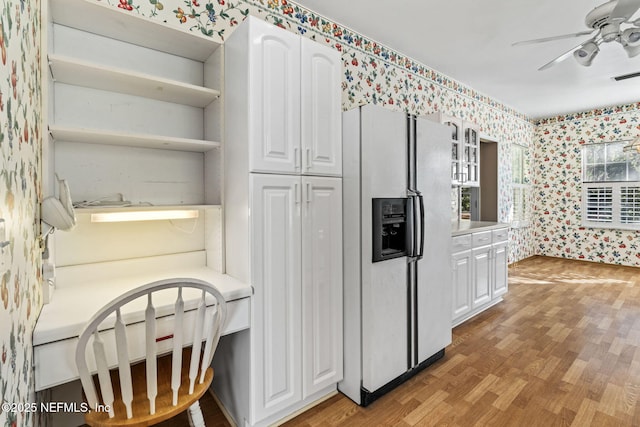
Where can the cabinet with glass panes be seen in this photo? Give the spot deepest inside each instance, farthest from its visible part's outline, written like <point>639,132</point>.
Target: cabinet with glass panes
<point>465,150</point>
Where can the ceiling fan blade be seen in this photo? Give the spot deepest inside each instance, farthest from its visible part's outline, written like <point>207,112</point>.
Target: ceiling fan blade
<point>548,39</point>
<point>624,10</point>
<point>564,55</point>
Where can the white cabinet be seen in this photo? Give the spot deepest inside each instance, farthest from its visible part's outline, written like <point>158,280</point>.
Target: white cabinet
<point>461,283</point>
<point>295,264</point>
<point>272,59</point>
<point>500,265</point>
<point>275,276</point>
<point>296,272</point>
<point>481,276</point>
<point>294,102</point>
<point>455,125</point>
<point>480,262</point>
<point>321,114</point>
<point>321,283</point>
<point>465,150</point>
<point>283,216</point>
<point>470,162</point>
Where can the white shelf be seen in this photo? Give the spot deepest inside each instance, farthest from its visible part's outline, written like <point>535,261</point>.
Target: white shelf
<point>82,73</point>
<point>109,21</point>
<point>97,136</point>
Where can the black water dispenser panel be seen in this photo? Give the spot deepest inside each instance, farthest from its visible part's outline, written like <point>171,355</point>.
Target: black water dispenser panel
<point>390,228</point>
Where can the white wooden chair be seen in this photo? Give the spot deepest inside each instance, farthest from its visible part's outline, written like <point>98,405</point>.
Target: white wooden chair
<point>159,387</point>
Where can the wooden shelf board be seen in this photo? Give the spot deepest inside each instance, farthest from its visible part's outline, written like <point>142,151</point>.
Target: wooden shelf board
<point>82,73</point>
<point>96,136</point>
<point>130,27</point>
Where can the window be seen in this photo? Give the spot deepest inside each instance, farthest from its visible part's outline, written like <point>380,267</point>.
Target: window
<point>465,203</point>
<point>610,186</point>
<point>520,186</point>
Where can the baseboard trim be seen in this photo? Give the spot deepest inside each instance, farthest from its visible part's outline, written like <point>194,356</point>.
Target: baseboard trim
<point>305,408</point>
<point>224,411</point>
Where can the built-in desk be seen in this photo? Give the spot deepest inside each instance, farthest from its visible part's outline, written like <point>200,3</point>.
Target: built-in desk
<point>82,290</point>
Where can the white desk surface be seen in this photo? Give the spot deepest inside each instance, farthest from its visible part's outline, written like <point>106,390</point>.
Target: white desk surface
<point>72,306</point>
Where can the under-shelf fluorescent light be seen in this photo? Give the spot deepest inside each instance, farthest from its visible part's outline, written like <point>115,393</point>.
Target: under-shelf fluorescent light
<point>144,215</point>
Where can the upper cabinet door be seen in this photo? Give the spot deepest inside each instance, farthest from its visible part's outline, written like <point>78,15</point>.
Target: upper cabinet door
<point>274,99</point>
<point>471,155</point>
<point>456,137</point>
<point>321,109</point>
<point>455,126</point>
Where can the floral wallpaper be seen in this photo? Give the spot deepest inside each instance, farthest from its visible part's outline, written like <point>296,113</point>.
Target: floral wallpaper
<point>558,179</point>
<point>373,73</point>
<point>20,142</point>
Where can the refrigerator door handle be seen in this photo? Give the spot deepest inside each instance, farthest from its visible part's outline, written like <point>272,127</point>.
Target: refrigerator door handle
<point>421,252</point>
<point>416,235</point>
<point>411,228</point>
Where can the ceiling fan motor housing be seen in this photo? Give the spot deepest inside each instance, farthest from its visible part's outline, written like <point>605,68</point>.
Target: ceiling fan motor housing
<point>599,16</point>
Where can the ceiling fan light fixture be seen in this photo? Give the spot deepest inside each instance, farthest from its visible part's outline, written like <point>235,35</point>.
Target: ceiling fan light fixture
<point>630,37</point>
<point>632,50</point>
<point>585,54</point>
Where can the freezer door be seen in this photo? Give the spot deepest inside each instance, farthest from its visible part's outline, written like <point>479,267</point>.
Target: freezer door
<point>383,153</point>
<point>384,284</point>
<point>433,291</point>
<point>384,323</point>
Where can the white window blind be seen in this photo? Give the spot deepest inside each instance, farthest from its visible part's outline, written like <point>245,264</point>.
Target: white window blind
<point>599,204</point>
<point>610,186</point>
<point>520,211</point>
<point>630,205</point>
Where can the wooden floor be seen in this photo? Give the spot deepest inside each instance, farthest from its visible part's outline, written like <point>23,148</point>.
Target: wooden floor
<point>562,349</point>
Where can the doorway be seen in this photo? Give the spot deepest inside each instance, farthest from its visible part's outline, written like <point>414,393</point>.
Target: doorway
<point>484,199</point>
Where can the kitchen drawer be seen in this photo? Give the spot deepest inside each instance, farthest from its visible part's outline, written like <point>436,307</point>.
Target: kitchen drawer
<point>501,235</point>
<point>461,243</point>
<point>482,238</point>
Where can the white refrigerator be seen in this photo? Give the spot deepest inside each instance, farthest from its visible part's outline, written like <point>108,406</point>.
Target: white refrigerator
<point>397,248</point>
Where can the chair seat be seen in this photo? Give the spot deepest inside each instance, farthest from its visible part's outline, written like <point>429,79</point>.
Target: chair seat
<point>164,407</point>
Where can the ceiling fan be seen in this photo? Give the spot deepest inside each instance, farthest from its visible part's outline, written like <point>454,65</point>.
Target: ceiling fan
<point>606,23</point>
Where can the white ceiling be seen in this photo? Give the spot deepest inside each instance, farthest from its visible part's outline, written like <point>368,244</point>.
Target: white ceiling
<point>470,41</point>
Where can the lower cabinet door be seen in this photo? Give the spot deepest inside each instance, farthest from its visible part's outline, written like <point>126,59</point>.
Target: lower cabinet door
<point>500,273</point>
<point>481,276</point>
<point>461,284</point>
<point>275,276</point>
<point>321,283</point>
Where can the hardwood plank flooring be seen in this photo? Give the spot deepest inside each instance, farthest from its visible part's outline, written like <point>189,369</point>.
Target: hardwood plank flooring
<point>562,349</point>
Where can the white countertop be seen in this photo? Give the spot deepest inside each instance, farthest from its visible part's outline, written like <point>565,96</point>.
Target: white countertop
<point>72,306</point>
<point>465,227</point>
